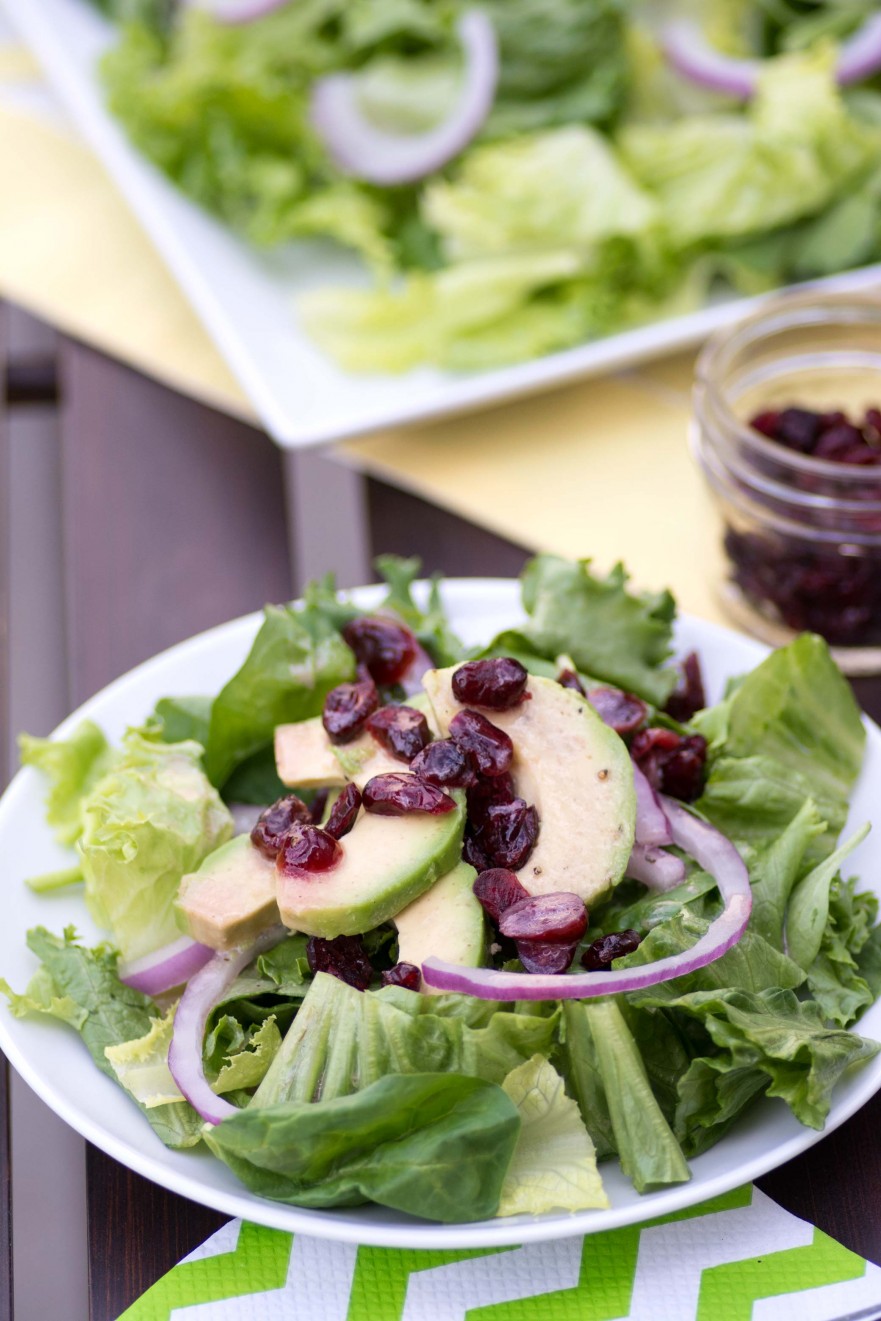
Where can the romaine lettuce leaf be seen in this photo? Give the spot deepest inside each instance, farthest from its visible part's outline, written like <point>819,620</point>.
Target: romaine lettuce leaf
<point>554,1166</point>
<point>296,658</point>
<point>808,910</point>
<point>844,977</point>
<point>81,987</point>
<point>240,1058</point>
<point>141,1065</point>
<point>775,870</point>
<point>147,823</point>
<point>435,1145</point>
<point>73,767</point>
<point>609,632</point>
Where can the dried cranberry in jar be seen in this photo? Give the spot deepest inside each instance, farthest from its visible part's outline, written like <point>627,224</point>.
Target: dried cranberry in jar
<point>385,646</point>
<point>399,795</point>
<point>560,918</point>
<point>402,730</point>
<point>273,824</point>
<point>672,763</point>
<point>497,889</point>
<point>498,684</point>
<point>347,709</point>
<point>545,956</point>
<point>621,711</point>
<point>343,957</point>
<point>598,956</point>
<point>489,748</point>
<point>689,696</point>
<point>306,850</point>
<point>403,974</point>
<point>444,763</point>
<point>508,833</point>
<point>344,811</point>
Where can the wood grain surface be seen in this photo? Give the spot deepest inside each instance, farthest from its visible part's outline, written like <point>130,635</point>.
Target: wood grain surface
<point>173,520</point>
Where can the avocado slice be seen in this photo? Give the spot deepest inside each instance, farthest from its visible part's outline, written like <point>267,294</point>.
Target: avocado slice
<point>387,862</point>
<point>305,758</point>
<point>576,772</point>
<point>231,898</point>
<point>447,921</point>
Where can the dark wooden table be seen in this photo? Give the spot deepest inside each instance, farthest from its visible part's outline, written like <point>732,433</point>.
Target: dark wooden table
<point>172,519</point>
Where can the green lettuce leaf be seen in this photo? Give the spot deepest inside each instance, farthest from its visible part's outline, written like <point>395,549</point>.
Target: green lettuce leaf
<point>619,637</point>
<point>844,977</point>
<point>73,767</point>
<point>245,1056</point>
<point>147,823</point>
<point>775,871</point>
<point>296,658</point>
<point>808,911</point>
<point>431,625</point>
<point>435,1145</point>
<point>768,1041</point>
<point>141,1065</point>
<point>81,987</point>
<point>606,1071</point>
<point>342,1040</point>
<point>554,1166</point>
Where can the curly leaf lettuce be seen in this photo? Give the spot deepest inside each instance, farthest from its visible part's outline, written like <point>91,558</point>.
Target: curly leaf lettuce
<point>72,766</point>
<point>147,823</point>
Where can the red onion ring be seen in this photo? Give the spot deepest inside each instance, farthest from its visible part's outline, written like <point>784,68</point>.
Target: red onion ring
<point>202,994</point>
<point>692,56</point>
<point>233,12</point>
<point>655,868</point>
<point>364,151</point>
<point>652,826</point>
<point>716,854</point>
<point>170,966</point>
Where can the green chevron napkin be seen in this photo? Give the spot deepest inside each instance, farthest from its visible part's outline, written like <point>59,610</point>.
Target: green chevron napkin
<point>739,1257</point>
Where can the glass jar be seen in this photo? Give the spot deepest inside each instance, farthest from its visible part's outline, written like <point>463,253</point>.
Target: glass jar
<point>802,535</point>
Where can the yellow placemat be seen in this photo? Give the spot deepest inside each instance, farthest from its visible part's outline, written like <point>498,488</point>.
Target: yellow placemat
<point>600,468</point>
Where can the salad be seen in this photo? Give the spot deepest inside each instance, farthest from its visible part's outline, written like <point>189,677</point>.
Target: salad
<point>519,175</point>
<point>460,927</point>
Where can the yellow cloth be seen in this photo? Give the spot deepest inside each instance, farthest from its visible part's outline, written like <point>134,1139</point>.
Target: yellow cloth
<point>596,469</point>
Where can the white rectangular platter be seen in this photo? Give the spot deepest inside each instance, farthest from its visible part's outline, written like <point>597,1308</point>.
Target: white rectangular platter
<point>247,299</point>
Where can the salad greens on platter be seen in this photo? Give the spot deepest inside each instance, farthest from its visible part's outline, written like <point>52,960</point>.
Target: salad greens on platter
<point>569,174</point>
<point>312,1057</point>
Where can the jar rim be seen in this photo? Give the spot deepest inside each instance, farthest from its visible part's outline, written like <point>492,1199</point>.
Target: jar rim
<point>786,312</point>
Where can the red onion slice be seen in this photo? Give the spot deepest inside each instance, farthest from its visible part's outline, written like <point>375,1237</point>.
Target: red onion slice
<point>233,12</point>
<point>363,150</point>
<point>692,56</point>
<point>655,868</point>
<point>165,968</point>
<point>716,854</point>
<point>202,994</point>
<point>652,826</point>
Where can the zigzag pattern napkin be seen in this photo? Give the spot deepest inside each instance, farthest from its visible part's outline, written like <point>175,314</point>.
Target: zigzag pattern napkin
<point>739,1257</point>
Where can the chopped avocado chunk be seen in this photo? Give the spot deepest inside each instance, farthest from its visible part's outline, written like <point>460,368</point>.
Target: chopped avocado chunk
<point>578,775</point>
<point>446,921</point>
<point>304,756</point>
<point>231,898</point>
<point>387,862</point>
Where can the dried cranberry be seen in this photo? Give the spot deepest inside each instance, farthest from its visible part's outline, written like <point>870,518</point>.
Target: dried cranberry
<point>486,793</point>
<point>688,696</point>
<point>798,429</point>
<point>497,889</point>
<point>344,811</point>
<point>569,679</point>
<point>559,917</point>
<point>508,833</point>
<point>488,748</point>
<point>598,956</point>
<point>386,647</point>
<point>445,764</point>
<point>472,853</point>
<point>767,423</point>
<point>402,730</point>
<point>837,441</point>
<point>273,824</point>
<point>347,708</point>
<point>403,974</point>
<point>343,957</point>
<point>497,684</point>
<point>307,849</point>
<point>619,710</point>
<point>545,955</point>
<point>872,426</point>
<point>319,804</point>
<point>671,762</point>
<point>399,795</point>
